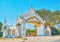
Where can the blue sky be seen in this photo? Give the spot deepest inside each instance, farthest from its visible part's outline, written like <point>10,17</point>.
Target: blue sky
<point>11,8</point>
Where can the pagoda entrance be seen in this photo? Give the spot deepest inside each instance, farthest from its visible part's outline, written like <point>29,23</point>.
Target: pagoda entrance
<point>37,22</point>
<point>34,32</point>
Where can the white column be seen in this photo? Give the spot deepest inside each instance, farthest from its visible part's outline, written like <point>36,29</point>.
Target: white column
<point>16,33</point>
<point>4,34</point>
<point>40,30</point>
<point>11,32</point>
<point>22,29</point>
<point>49,30</point>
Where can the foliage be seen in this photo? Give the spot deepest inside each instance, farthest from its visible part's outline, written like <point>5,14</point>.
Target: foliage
<point>0,29</point>
<point>24,38</point>
<point>54,31</point>
<point>49,16</point>
<point>30,31</point>
<point>58,30</point>
<point>0,26</point>
<point>1,34</point>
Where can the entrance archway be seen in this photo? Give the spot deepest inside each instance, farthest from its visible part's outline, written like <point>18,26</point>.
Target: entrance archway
<point>34,19</point>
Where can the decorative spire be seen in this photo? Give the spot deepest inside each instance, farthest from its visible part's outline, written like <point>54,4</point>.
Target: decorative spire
<point>22,14</point>
<point>5,20</point>
<point>4,23</point>
<point>31,6</point>
<point>17,17</point>
<point>17,20</point>
<point>31,10</point>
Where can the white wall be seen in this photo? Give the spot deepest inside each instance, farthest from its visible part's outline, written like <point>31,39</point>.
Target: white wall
<point>40,30</point>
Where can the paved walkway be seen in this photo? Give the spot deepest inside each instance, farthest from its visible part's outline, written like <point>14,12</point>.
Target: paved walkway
<point>44,39</point>
<point>33,39</point>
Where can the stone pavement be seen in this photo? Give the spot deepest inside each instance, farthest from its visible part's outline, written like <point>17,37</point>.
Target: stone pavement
<point>44,39</point>
<point>33,39</point>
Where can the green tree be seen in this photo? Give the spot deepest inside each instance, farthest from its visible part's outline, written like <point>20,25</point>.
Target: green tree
<point>48,16</point>
<point>28,31</point>
<point>0,26</point>
<point>54,31</point>
<point>1,29</point>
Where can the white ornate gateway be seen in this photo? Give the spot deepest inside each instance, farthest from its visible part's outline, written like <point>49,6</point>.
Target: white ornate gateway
<point>33,18</point>
<point>19,30</point>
